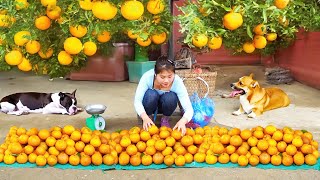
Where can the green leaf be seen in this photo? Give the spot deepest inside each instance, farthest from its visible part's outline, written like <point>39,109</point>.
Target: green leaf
<point>249,32</point>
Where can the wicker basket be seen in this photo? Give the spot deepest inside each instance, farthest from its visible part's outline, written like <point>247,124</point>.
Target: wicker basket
<point>193,84</point>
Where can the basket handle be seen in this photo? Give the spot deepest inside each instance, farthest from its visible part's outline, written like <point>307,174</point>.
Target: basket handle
<point>205,82</point>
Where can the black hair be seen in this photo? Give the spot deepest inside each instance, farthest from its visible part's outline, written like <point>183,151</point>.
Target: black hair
<point>163,63</point>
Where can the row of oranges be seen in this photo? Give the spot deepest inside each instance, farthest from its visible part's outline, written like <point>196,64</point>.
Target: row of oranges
<point>159,145</point>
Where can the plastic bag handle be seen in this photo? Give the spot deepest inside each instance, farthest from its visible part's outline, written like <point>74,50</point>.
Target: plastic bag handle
<point>205,82</point>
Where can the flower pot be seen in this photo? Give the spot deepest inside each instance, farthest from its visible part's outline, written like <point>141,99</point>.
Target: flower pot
<point>106,68</point>
<point>137,69</point>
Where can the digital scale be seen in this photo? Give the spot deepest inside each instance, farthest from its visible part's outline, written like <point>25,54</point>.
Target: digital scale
<point>96,121</point>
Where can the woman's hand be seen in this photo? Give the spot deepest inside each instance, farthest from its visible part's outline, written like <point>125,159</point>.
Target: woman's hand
<point>181,125</point>
<point>147,122</point>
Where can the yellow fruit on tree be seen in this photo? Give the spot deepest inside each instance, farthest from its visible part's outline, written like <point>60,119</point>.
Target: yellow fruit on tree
<point>232,20</point>
<point>21,37</point>
<point>86,5</point>
<point>72,45</point>
<point>45,54</point>
<point>103,37</point>
<point>143,42</point>
<point>21,4</point>
<point>48,2</point>
<point>89,48</point>
<point>159,38</point>
<point>155,6</point>
<point>53,12</point>
<point>281,4</point>
<point>260,29</point>
<point>215,43</point>
<point>132,35</point>
<point>78,31</point>
<point>42,23</point>
<point>4,20</point>
<point>271,36</point>
<point>199,40</point>
<point>259,42</point>
<point>13,57</point>
<point>64,58</point>
<point>25,65</point>
<point>33,47</point>
<point>104,10</point>
<point>132,10</point>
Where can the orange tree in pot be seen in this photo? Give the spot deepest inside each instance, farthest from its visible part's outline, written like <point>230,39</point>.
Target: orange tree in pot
<point>248,26</point>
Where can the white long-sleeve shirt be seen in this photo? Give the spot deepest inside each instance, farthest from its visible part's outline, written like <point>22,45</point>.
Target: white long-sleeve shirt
<point>146,82</point>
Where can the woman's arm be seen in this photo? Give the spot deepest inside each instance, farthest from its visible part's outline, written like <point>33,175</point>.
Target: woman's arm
<point>184,99</point>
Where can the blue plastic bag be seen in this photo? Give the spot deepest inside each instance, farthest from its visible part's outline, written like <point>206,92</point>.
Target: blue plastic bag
<point>203,109</point>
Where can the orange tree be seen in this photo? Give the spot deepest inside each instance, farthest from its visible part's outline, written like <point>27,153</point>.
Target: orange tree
<point>246,26</point>
<point>55,37</point>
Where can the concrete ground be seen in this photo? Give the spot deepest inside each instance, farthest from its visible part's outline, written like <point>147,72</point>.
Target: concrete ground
<point>303,113</point>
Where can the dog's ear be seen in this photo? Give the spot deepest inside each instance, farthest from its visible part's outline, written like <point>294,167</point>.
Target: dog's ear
<point>74,93</point>
<point>255,84</point>
<point>251,75</point>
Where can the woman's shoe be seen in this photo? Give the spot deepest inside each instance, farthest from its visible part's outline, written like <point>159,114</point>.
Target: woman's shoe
<point>165,121</point>
<point>192,125</point>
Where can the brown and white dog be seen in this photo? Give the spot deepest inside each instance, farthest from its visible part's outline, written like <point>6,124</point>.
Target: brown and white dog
<point>254,100</point>
<point>35,102</point>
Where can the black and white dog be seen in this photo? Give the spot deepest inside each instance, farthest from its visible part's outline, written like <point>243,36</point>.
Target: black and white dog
<point>35,102</point>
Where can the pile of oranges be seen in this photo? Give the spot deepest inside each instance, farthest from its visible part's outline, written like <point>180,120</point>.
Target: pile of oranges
<point>159,145</point>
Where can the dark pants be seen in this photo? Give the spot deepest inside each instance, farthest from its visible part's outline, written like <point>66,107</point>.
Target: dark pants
<point>166,103</point>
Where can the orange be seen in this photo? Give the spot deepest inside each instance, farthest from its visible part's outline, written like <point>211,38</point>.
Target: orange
<point>74,160</point>
<point>23,139</point>
<point>85,160</point>
<point>258,134</point>
<point>180,160</point>
<point>105,149</point>
<point>25,65</point>
<point>306,149</point>
<point>291,150</point>
<point>199,40</point>
<point>132,35</point>
<point>48,2</point>
<point>272,150</point>
<point>34,140</point>
<point>21,37</point>
<point>96,159</point>
<point>287,138</point>
<point>270,129</point>
<point>232,20</point>
<point>64,58</point>
<point>124,159</point>
<point>310,159</point>
<point>135,160</point>
<point>32,157</point>
<point>42,23</point>
<point>151,142</point>
<point>95,141</point>
<point>276,160</point>
<point>235,140</point>
<point>225,139</point>
<point>108,159</point>
<point>263,145</point>
<point>21,131</point>
<point>186,141</point>
<point>230,149</point>
<point>155,6</point>
<point>234,131</point>
<point>43,134</point>
<point>125,141</point>
<point>86,138</point>
<point>72,45</point>
<point>143,42</point>
<point>248,47</point>
<point>68,129</point>
<point>167,151</point>
<point>260,29</point>
<point>89,48</point>
<point>287,160</point>
<point>153,130</point>
<point>160,145</point>
<point>159,38</point>
<point>264,158</point>
<point>22,158</point>
<point>131,150</point>
<point>146,160</point>
<point>32,47</point>
<point>192,149</point>
<point>51,141</point>
<point>298,159</point>
<point>157,158</point>
<point>53,12</point>
<point>40,150</point>
<point>308,135</point>
<point>104,36</point>
<point>104,10</point>
<point>259,41</point>
<point>297,141</point>
<point>282,146</point>
<point>281,4</point>
<point>181,150</point>
<point>243,160</point>
<point>215,43</point>
<point>132,10</point>
<point>41,160</point>
<point>61,145</point>
<point>78,31</point>
<point>70,150</point>
<point>245,134</point>
<point>151,150</point>
<point>242,150</point>
<point>28,149</point>
<point>176,134</point>
<point>272,36</point>
<point>168,160</point>
<point>52,160</point>
<point>164,133</point>
<point>252,141</point>
<point>53,151</point>
<point>254,160</point>
<point>141,146</point>
<point>224,158</point>
<point>234,157</point>
<point>21,4</point>
<point>45,54</point>
<point>13,58</point>
<point>75,135</point>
